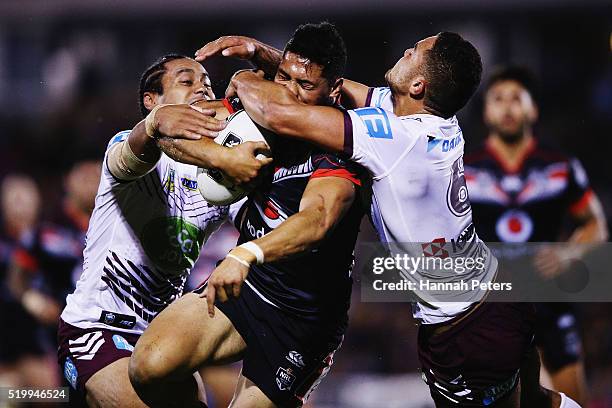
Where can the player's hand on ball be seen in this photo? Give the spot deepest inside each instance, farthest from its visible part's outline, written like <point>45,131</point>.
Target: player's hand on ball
<point>225,281</point>
<point>186,122</point>
<point>242,165</point>
<point>235,46</point>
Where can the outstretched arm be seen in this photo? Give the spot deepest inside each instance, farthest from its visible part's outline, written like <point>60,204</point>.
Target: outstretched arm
<point>323,204</point>
<point>275,108</point>
<point>263,56</point>
<point>268,58</point>
<point>184,133</point>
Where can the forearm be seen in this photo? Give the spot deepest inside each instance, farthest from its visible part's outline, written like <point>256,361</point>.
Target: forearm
<point>203,153</point>
<point>142,145</point>
<point>593,227</point>
<point>591,232</point>
<point>297,235</point>
<point>272,106</point>
<point>354,94</point>
<point>261,99</point>
<point>267,58</point>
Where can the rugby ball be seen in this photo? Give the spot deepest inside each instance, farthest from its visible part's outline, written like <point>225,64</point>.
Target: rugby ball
<point>212,183</point>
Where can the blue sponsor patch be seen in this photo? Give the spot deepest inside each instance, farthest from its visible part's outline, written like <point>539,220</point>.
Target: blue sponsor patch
<point>189,184</point>
<point>70,372</point>
<point>119,137</point>
<point>447,144</point>
<point>376,121</point>
<point>121,343</point>
<point>432,142</point>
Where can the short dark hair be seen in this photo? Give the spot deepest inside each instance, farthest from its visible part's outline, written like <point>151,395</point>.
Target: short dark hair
<point>520,74</point>
<point>453,69</point>
<point>322,44</point>
<point>151,79</point>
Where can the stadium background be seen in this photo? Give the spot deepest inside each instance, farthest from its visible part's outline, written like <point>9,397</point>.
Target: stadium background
<point>69,74</point>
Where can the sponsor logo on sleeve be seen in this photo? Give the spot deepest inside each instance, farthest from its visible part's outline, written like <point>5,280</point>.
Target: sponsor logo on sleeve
<point>376,121</point>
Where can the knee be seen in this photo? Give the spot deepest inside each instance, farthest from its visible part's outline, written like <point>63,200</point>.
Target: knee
<point>146,368</point>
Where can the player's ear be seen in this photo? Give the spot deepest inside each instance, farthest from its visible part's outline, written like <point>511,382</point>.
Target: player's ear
<point>336,90</point>
<point>417,87</point>
<point>149,100</point>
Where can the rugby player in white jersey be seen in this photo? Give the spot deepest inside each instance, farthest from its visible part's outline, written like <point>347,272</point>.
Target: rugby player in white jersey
<point>146,231</point>
<point>472,353</point>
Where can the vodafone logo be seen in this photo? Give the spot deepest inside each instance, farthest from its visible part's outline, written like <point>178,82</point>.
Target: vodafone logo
<point>514,226</point>
<point>255,232</point>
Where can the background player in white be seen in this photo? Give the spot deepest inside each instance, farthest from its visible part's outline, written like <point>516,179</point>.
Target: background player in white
<point>146,231</point>
<point>409,139</point>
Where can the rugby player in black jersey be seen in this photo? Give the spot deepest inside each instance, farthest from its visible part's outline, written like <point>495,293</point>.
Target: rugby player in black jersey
<point>297,233</point>
<point>407,136</point>
<point>521,191</point>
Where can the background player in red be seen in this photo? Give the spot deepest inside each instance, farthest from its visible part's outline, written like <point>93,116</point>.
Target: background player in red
<point>522,191</point>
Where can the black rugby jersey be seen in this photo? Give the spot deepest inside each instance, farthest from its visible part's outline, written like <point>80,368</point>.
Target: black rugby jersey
<point>316,285</point>
<point>528,203</point>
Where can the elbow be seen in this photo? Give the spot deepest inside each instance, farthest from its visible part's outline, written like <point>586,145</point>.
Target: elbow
<point>322,227</point>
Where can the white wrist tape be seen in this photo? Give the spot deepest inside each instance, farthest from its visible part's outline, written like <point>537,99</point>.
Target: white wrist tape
<point>242,261</point>
<point>255,250</point>
<point>123,163</point>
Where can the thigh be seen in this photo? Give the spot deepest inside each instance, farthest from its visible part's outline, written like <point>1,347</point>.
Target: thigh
<point>286,356</point>
<point>84,352</point>
<point>461,361</point>
<point>183,338</point>
<point>110,387</point>
<point>248,395</point>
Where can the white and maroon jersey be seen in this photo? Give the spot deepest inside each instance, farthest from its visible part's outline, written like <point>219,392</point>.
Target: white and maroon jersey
<point>144,236</point>
<point>420,204</point>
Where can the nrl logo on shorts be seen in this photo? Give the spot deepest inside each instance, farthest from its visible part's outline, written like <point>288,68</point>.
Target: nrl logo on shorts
<point>296,359</point>
<point>284,378</point>
<point>109,318</point>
